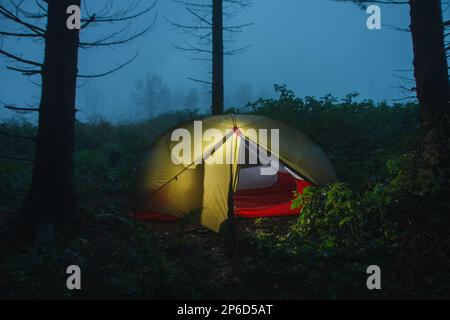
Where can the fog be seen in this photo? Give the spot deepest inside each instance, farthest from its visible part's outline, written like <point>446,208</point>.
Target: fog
<point>315,47</point>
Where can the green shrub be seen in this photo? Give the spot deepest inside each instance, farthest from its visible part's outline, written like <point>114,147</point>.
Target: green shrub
<point>400,224</point>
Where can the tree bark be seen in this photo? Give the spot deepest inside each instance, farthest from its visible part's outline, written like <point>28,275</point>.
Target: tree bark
<point>217,74</point>
<point>50,197</point>
<point>431,75</point>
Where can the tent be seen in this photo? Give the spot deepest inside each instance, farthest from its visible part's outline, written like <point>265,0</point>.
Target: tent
<point>219,189</point>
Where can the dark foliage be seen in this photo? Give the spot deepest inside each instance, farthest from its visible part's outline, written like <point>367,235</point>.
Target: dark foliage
<point>387,209</point>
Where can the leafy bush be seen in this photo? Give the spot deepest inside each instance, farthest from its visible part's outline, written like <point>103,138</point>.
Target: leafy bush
<point>388,209</point>
<point>359,137</point>
<point>401,225</point>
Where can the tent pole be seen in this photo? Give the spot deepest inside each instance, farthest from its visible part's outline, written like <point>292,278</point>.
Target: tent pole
<point>231,221</point>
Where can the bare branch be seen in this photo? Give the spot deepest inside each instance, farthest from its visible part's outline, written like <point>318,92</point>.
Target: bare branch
<point>25,72</point>
<point>20,35</point>
<point>119,17</point>
<point>202,14</point>
<point>110,71</point>
<point>8,14</point>
<point>200,81</point>
<point>17,58</point>
<point>192,48</point>
<point>9,107</point>
<point>410,80</point>
<point>190,4</point>
<point>104,42</point>
<point>398,28</point>
<point>236,51</point>
<point>27,14</point>
<point>405,98</point>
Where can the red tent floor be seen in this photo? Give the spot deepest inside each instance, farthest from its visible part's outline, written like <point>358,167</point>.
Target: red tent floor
<point>269,202</point>
<point>254,203</point>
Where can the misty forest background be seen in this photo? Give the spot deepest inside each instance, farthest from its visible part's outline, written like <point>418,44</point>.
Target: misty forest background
<point>67,170</point>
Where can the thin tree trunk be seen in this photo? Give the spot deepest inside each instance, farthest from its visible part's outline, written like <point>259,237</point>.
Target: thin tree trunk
<point>217,75</point>
<point>50,196</point>
<point>431,75</point>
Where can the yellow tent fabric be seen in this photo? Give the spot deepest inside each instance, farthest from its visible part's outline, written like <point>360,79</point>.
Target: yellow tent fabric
<point>180,189</point>
<point>216,186</point>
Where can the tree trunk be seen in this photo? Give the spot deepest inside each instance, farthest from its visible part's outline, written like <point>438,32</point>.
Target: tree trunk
<point>50,196</point>
<point>431,75</point>
<point>217,75</point>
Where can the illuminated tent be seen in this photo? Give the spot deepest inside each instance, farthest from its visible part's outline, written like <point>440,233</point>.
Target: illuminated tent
<point>215,187</point>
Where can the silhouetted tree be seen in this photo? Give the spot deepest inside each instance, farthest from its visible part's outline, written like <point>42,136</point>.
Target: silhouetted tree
<point>431,75</point>
<point>217,57</point>
<point>151,95</point>
<point>50,197</point>
<point>209,29</point>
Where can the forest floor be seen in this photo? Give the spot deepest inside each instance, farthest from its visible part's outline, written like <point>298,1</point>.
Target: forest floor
<point>216,250</point>
<point>121,258</point>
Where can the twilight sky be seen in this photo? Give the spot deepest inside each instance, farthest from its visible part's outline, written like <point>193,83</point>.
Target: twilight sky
<point>315,47</point>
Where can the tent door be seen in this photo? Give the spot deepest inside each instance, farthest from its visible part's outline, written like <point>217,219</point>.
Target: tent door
<point>216,186</point>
